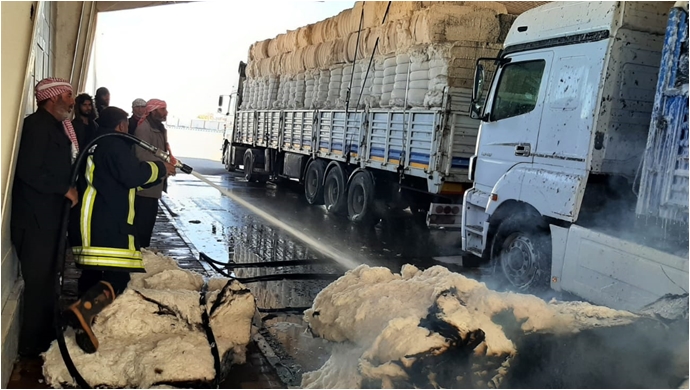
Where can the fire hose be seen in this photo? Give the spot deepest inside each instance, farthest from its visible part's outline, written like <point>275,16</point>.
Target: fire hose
<point>58,321</point>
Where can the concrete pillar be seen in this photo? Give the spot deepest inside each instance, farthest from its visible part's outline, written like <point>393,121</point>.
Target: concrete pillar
<point>75,28</point>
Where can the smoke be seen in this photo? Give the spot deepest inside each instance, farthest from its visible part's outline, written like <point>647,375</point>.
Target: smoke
<point>644,354</point>
<point>609,205</point>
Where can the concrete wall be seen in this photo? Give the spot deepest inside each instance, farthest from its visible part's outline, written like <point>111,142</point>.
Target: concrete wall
<point>75,29</point>
<point>18,24</point>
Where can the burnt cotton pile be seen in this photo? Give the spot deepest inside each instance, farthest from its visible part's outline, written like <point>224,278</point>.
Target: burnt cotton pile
<point>153,334</point>
<point>436,328</point>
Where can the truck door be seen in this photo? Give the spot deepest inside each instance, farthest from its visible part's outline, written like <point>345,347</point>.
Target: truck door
<point>514,108</point>
<point>228,111</point>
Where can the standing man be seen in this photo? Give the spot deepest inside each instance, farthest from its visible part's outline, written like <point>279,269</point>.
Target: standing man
<point>138,110</point>
<point>102,99</point>
<point>102,233</point>
<point>42,182</point>
<point>84,119</point>
<point>151,130</point>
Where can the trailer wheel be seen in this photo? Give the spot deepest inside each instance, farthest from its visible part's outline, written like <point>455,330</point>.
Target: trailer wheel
<point>313,182</point>
<point>335,191</point>
<point>360,200</point>
<point>227,157</point>
<point>522,253</point>
<point>249,161</point>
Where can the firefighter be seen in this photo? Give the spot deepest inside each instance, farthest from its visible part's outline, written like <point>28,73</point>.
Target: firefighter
<point>102,233</point>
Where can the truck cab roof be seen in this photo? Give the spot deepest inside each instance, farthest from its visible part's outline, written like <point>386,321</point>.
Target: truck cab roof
<point>565,18</point>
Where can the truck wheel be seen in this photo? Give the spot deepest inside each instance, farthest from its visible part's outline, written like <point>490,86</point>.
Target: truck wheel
<point>313,182</point>
<point>249,174</point>
<point>522,253</point>
<point>227,157</point>
<point>335,191</point>
<point>360,200</point>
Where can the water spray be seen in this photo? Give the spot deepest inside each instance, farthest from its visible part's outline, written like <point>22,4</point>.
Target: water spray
<point>315,244</point>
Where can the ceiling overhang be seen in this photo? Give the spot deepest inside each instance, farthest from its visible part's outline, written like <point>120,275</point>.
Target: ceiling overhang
<point>513,7</point>
<point>108,6</point>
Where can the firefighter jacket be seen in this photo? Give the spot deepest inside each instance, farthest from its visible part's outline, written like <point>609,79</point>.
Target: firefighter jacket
<point>102,232</point>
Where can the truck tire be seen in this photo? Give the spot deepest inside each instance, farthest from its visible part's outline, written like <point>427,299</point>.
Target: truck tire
<point>314,181</point>
<point>521,253</point>
<point>227,157</point>
<point>335,191</point>
<point>249,174</point>
<point>360,200</point>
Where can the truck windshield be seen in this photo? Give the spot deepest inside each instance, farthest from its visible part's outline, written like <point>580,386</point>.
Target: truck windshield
<point>518,89</point>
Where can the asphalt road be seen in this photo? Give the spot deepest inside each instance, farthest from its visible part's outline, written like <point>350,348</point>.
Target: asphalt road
<point>212,221</point>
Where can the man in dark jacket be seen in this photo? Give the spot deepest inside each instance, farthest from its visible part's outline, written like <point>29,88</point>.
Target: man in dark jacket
<point>102,100</point>
<point>41,184</point>
<point>138,111</point>
<point>102,235</point>
<point>84,119</point>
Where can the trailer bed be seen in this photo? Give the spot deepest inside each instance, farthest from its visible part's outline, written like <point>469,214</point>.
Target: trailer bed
<point>429,144</point>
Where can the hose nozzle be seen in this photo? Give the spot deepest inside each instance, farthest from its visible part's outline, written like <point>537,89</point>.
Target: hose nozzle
<point>184,167</point>
<point>165,156</point>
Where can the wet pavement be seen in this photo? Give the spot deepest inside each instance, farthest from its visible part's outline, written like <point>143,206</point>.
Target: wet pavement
<point>223,230</point>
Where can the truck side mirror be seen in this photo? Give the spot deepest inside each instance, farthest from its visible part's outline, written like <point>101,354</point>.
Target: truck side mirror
<point>220,104</point>
<point>478,82</point>
<point>477,89</point>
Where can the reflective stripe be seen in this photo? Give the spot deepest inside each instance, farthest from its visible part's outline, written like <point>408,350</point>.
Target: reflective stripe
<point>99,261</point>
<point>87,204</point>
<point>101,251</point>
<point>154,172</point>
<point>130,214</point>
<point>108,257</point>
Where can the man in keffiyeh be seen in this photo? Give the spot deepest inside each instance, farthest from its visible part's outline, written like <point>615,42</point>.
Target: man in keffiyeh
<point>41,184</point>
<point>151,130</point>
<point>138,110</point>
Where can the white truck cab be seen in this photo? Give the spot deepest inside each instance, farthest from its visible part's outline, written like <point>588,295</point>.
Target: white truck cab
<point>561,142</point>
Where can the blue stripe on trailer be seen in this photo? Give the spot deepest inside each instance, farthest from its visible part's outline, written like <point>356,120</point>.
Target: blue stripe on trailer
<point>460,162</point>
<point>338,147</point>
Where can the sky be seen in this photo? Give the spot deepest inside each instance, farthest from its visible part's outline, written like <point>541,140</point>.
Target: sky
<point>188,54</point>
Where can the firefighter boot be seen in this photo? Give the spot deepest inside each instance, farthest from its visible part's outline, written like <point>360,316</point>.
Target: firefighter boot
<point>81,314</point>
